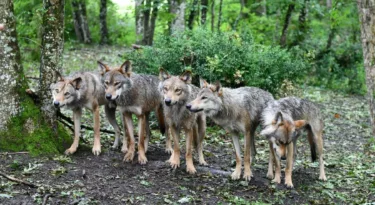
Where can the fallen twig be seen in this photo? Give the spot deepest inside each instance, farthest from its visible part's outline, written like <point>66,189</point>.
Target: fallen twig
<point>18,180</point>
<point>45,199</point>
<point>11,153</point>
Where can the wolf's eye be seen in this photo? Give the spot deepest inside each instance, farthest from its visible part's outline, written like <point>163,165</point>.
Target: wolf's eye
<point>204,97</point>
<point>178,90</point>
<point>165,89</point>
<point>67,93</point>
<point>106,82</point>
<point>57,90</point>
<point>117,83</point>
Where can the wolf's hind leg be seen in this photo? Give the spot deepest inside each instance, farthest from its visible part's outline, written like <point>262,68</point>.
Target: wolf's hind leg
<point>237,172</point>
<point>142,159</point>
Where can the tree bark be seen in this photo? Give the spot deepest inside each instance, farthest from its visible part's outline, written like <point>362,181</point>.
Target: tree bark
<point>154,15</point>
<point>242,3</point>
<point>288,16</point>
<point>177,7</point>
<point>193,10</point>
<point>366,9</point>
<point>51,55</point>
<point>204,9</point>
<point>146,22</point>
<point>139,21</point>
<point>11,69</point>
<point>81,26</point>
<point>103,22</point>
<point>213,16</point>
<point>219,17</point>
<point>302,24</point>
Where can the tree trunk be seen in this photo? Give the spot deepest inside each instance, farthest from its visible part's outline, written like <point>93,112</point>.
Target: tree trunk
<point>103,22</point>
<point>366,9</point>
<point>51,55</point>
<point>219,17</point>
<point>81,26</point>
<point>154,15</point>
<point>302,24</point>
<point>204,9</point>
<point>146,22</point>
<point>239,15</point>
<point>177,7</point>
<point>139,21</point>
<point>288,16</point>
<point>329,4</point>
<point>193,10</point>
<point>11,69</point>
<point>213,16</point>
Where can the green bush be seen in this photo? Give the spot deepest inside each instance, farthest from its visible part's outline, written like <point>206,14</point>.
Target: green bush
<point>232,58</point>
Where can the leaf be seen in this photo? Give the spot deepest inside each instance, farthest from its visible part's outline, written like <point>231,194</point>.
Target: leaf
<point>145,183</point>
<point>185,199</point>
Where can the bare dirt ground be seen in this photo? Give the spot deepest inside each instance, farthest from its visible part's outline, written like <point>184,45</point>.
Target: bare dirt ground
<point>87,179</point>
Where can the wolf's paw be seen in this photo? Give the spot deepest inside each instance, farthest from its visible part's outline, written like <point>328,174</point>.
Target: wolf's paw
<point>96,150</point>
<point>247,175</point>
<point>174,162</point>
<point>71,150</point>
<point>142,159</point>
<point>236,175</point>
<point>124,149</point>
<point>115,145</point>
<point>191,169</point>
<point>129,157</point>
<point>202,162</point>
<point>323,177</point>
<point>289,183</point>
<point>169,150</point>
<point>270,175</point>
<point>276,180</point>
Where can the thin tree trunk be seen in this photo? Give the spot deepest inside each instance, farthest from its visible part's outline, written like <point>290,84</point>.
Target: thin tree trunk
<point>329,4</point>
<point>11,69</point>
<point>154,15</point>
<point>239,15</point>
<point>81,26</point>
<point>219,17</point>
<point>288,16</point>
<point>177,7</point>
<point>193,10</point>
<point>103,22</point>
<point>213,16</point>
<point>302,24</point>
<point>146,22</point>
<point>204,9</point>
<point>366,9</point>
<point>139,20</point>
<point>51,55</point>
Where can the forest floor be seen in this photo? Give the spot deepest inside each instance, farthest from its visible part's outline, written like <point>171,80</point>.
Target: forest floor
<point>83,178</point>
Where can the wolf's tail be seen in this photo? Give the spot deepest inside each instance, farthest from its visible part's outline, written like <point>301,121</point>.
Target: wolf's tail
<point>160,116</point>
<point>312,143</point>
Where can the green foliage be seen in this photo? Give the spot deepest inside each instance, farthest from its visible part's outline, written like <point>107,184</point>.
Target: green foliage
<point>232,58</point>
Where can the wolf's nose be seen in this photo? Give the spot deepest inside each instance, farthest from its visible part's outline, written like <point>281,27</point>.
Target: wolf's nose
<point>56,103</point>
<point>283,158</point>
<point>168,101</point>
<point>108,96</point>
<point>188,106</point>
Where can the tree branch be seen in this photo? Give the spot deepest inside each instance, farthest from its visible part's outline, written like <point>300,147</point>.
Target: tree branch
<point>18,180</point>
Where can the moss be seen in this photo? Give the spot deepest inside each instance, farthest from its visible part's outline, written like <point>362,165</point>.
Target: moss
<point>29,132</point>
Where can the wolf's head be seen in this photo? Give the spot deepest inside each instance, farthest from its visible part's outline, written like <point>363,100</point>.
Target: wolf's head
<point>116,80</point>
<point>175,89</point>
<point>281,132</point>
<point>208,99</point>
<point>65,91</point>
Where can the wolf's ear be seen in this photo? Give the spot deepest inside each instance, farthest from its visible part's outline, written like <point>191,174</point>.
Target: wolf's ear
<point>186,77</point>
<point>163,74</point>
<point>279,120</point>
<point>203,83</point>
<point>126,68</point>
<point>299,124</point>
<point>59,77</point>
<point>77,83</point>
<point>103,68</point>
<point>217,88</point>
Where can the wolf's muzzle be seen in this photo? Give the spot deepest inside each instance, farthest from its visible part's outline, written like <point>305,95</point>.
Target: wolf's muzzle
<point>56,103</point>
<point>108,96</point>
<point>168,101</point>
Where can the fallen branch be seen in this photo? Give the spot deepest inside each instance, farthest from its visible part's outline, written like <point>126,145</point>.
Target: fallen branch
<point>11,153</point>
<point>18,180</point>
<point>45,199</point>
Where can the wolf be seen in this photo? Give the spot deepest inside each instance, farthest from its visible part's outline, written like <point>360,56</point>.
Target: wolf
<point>237,111</point>
<point>83,90</point>
<point>282,122</point>
<point>177,92</point>
<point>134,94</point>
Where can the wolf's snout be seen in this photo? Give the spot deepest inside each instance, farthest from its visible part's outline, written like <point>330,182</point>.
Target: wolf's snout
<point>56,103</point>
<point>188,106</point>
<point>108,96</point>
<point>283,158</point>
<point>168,101</point>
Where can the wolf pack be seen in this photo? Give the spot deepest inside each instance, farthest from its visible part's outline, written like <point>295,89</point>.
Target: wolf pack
<point>181,106</point>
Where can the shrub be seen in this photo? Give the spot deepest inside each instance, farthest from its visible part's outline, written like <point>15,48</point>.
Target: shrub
<point>232,58</point>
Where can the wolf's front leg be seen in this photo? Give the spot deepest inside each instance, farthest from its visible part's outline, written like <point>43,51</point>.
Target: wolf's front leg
<point>236,143</point>
<point>277,162</point>
<point>201,134</point>
<point>247,158</point>
<point>111,117</point>
<point>130,130</point>
<point>174,160</point>
<point>77,113</point>
<point>289,166</point>
<point>189,133</point>
<point>142,159</point>
<point>270,163</point>
<point>96,149</point>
